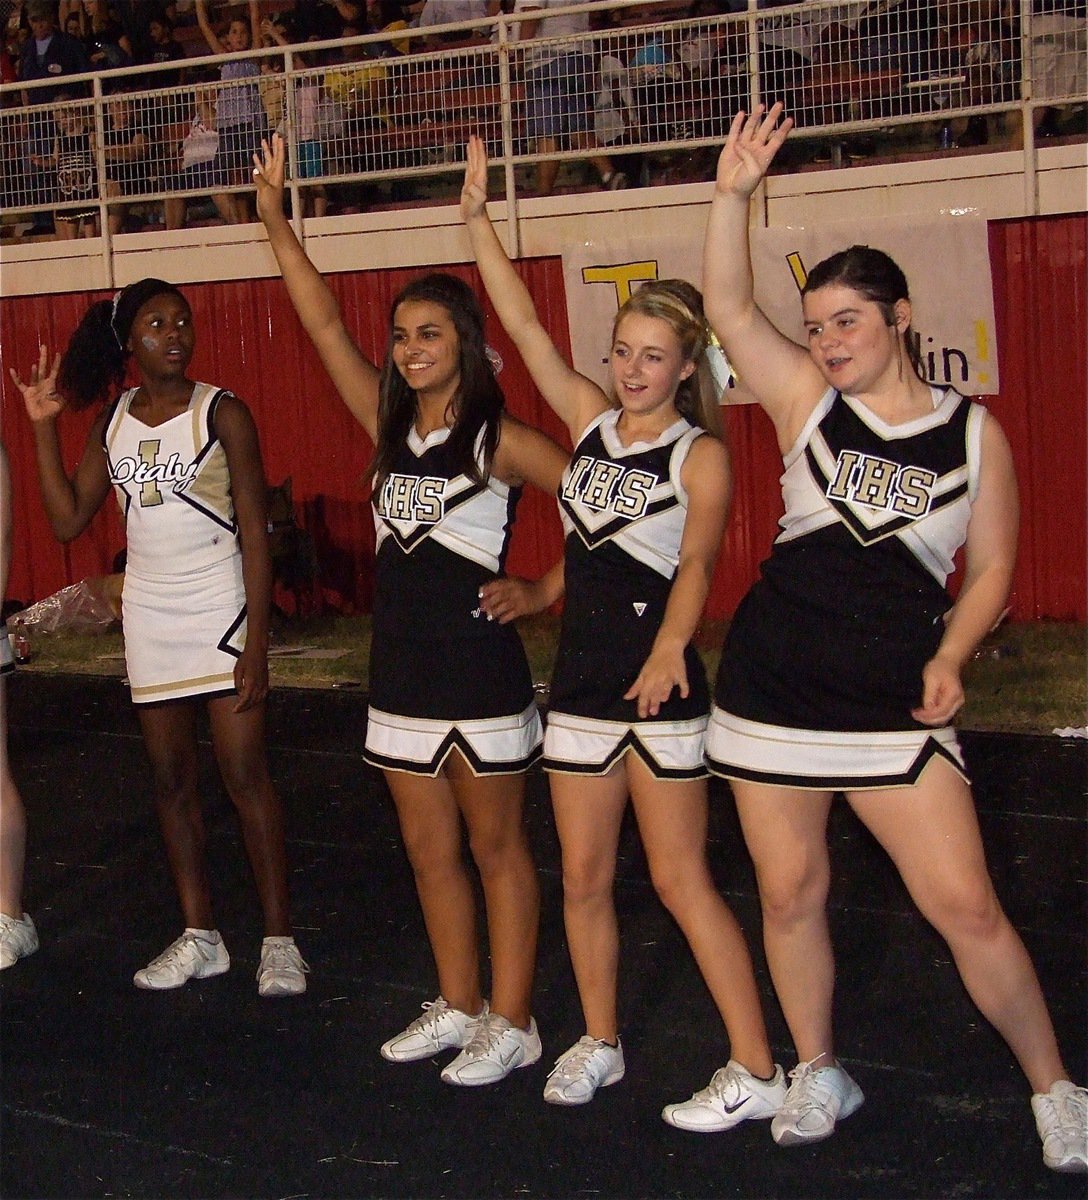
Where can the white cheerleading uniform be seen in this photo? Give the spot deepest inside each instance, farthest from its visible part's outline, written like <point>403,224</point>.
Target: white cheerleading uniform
<point>441,674</point>
<point>183,602</point>
<point>823,661</point>
<point>623,511</point>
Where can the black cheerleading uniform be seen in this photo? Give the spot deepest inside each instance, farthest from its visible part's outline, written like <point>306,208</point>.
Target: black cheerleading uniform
<point>823,660</point>
<point>623,510</point>
<point>441,673</point>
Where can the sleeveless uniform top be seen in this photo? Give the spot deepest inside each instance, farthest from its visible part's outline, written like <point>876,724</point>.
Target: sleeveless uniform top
<point>623,510</point>
<point>439,536</point>
<point>442,676</point>
<point>849,606</point>
<point>173,487</point>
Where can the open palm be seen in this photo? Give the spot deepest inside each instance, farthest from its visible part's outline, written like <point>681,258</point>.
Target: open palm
<point>754,139</point>
<point>40,395</point>
<point>268,173</point>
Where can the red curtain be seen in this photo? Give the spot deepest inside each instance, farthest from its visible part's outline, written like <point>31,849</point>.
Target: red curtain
<point>249,340</point>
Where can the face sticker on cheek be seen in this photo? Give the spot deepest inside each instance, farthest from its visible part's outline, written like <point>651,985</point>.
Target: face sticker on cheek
<point>148,343</point>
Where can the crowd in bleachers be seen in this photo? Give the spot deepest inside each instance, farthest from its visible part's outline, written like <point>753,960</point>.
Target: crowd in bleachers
<point>608,83</point>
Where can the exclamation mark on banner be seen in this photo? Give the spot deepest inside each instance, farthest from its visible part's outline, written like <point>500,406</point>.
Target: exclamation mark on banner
<point>797,269</point>
<point>982,350</point>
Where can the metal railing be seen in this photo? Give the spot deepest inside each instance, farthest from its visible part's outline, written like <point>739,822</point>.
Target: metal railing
<point>389,108</point>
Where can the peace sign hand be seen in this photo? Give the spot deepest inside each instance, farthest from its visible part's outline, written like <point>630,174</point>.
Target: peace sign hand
<point>754,140</point>
<point>474,191</point>
<point>43,401</point>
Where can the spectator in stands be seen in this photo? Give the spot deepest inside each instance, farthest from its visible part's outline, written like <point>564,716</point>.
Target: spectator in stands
<point>1059,50</point>
<point>104,38</point>
<point>239,115</point>
<point>72,162</point>
<point>196,153</point>
<point>437,13</point>
<point>126,151</point>
<point>48,54</point>
<point>309,113</point>
<point>560,91</point>
<point>160,46</point>
<point>327,18</point>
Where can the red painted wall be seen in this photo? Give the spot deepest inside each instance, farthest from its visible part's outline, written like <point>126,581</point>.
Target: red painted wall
<point>250,341</point>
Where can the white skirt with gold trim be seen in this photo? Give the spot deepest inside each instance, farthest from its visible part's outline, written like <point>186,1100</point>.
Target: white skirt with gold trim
<point>184,633</point>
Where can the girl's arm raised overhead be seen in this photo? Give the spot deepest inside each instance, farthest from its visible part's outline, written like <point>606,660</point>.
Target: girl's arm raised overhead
<point>708,481</point>
<point>575,399</point>
<point>778,372</point>
<point>210,36</point>
<point>70,502</point>
<point>354,376</point>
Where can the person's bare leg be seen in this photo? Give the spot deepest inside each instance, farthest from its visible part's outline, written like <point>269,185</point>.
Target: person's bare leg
<point>786,833</point>
<point>430,823</point>
<point>238,740</point>
<point>588,813</point>
<point>492,807</point>
<point>931,833</point>
<point>672,821</point>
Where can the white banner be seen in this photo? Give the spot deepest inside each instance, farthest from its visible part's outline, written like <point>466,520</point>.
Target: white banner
<point>946,262</point>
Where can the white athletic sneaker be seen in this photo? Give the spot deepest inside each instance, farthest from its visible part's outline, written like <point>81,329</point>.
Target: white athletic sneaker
<point>18,938</point>
<point>197,954</point>
<point>1061,1117</point>
<point>733,1095</point>
<point>494,1050</point>
<point>440,1028</point>
<point>578,1072</point>
<point>817,1098</point>
<point>283,970</point>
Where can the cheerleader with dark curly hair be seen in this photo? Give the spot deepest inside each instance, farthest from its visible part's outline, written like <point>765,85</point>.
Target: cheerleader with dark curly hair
<point>184,461</point>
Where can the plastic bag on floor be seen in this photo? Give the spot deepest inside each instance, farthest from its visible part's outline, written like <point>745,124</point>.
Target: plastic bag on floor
<point>90,606</point>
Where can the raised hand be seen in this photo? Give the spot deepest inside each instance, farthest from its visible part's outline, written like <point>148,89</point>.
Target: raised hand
<point>43,401</point>
<point>754,139</point>
<point>268,173</point>
<point>474,190</point>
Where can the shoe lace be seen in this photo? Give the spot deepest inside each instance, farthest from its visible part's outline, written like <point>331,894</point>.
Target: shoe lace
<point>433,1012</point>
<point>283,956</point>
<point>722,1081</point>
<point>1071,1108</point>
<point>489,1030</point>
<point>573,1062</point>
<point>175,950</point>
<point>806,1091</point>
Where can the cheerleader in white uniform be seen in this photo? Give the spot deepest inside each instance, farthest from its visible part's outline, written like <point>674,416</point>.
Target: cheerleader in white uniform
<point>18,937</point>
<point>451,719</point>
<point>644,501</point>
<point>185,465</point>
<point>842,666</point>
